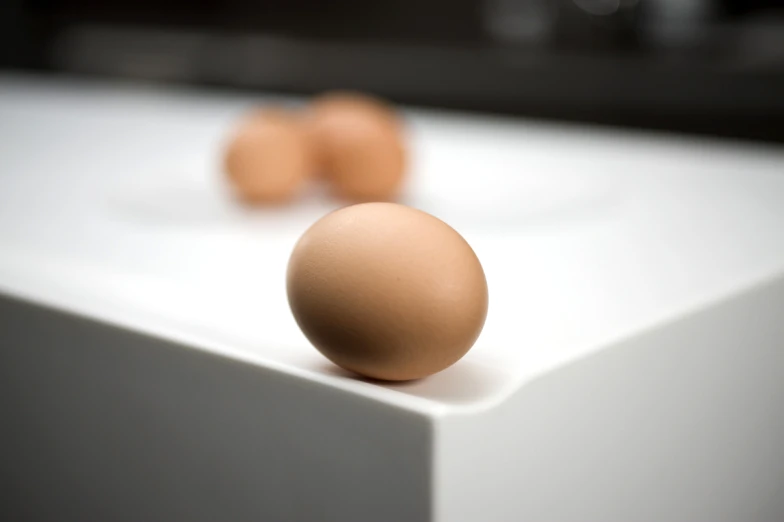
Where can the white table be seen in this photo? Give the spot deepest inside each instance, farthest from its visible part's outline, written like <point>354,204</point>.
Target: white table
<point>631,367</point>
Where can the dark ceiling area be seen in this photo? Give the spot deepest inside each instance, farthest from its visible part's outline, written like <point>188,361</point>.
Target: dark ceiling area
<point>697,66</point>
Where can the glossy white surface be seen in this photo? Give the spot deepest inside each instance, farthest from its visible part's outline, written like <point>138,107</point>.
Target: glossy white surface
<point>631,368</point>
<point>112,205</point>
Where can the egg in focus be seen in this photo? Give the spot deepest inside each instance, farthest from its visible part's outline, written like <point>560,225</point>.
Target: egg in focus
<point>387,291</point>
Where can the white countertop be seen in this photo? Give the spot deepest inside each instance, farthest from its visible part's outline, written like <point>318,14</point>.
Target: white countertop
<point>112,205</point>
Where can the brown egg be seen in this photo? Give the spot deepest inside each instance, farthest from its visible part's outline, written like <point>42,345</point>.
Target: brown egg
<point>360,145</point>
<point>387,291</point>
<point>268,159</point>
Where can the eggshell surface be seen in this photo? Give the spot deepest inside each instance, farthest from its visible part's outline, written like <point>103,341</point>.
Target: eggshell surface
<point>268,159</point>
<point>387,291</point>
<point>359,143</point>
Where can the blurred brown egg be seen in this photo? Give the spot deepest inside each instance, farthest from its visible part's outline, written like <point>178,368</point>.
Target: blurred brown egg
<point>268,159</point>
<point>359,143</point>
<point>387,291</point>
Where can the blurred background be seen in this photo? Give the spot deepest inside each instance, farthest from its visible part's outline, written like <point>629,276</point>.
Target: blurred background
<point>711,67</point>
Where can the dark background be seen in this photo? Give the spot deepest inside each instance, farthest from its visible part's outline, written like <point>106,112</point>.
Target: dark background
<point>698,66</point>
